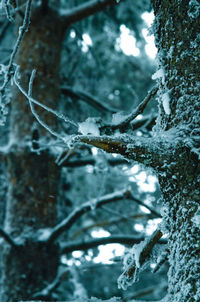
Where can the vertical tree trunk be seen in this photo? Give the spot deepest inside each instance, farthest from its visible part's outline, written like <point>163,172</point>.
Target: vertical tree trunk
<point>33,177</point>
<point>177,38</point>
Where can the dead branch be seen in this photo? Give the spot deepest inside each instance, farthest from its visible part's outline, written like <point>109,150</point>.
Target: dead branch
<point>143,255</point>
<point>141,149</point>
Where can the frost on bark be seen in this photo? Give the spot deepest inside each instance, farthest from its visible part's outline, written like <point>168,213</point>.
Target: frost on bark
<point>177,35</point>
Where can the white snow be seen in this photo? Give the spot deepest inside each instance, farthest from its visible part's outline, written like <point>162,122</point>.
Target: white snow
<point>89,127</point>
<point>196,218</point>
<point>117,118</point>
<point>166,103</point>
<point>159,74</point>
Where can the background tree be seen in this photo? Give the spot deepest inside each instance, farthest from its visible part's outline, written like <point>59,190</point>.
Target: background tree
<point>73,48</point>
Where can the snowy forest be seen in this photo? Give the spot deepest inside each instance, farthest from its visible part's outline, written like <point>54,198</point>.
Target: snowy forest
<point>99,150</point>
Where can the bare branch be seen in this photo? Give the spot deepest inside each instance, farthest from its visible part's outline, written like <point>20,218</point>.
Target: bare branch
<point>161,260</point>
<point>85,10</point>
<point>32,100</point>
<point>123,125</point>
<point>84,208</point>
<point>154,212</point>
<point>91,100</point>
<point>141,149</point>
<point>8,238</point>
<point>92,243</point>
<point>115,221</point>
<point>91,161</point>
<point>22,30</point>
<point>46,292</point>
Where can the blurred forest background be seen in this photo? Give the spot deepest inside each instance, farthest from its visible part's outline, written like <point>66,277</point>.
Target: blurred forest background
<point>106,70</point>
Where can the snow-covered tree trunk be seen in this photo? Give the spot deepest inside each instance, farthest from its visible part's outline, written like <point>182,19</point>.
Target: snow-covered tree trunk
<point>33,177</point>
<point>177,35</point>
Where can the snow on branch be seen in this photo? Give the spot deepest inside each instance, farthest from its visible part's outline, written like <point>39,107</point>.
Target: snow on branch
<point>91,100</point>
<point>137,257</point>
<point>85,10</point>
<point>142,149</point>
<point>84,208</point>
<point>8,238</point>
<point>122,125</point>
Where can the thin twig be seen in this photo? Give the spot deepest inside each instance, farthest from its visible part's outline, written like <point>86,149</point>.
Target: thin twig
<point>22,30</point>
<point>84,208</point>
<point>31,100</point>
<point>91,100</point>
<point>122,125</point>
<point>154,212</point>
<point>8,238</point>
<point>46,292</point>
<point>115,221</point>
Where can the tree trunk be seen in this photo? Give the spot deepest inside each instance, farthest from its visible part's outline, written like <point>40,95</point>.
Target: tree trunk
<point>33,176</point>
<point>177,34</point>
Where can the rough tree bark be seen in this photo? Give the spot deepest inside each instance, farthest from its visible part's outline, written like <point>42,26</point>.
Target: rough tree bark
<point>173,152</point>
<point>33,177</point>
<point>177,34</point>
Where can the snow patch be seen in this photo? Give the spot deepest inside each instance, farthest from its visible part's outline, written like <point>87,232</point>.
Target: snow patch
<point>89,127</point>
<point>166,103</point>
<point>159,74</point>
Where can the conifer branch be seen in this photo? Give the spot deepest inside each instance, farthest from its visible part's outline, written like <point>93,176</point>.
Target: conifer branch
<point>85,10</point>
